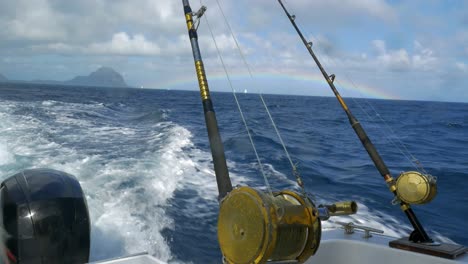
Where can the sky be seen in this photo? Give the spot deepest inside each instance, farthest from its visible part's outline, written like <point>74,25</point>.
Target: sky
<point>415,50</point>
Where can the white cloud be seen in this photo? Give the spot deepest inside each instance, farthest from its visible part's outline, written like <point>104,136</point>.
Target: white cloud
<point>379,46</point>
<point>123,44</point>
<point>422,59</point>
<point>376,8</point>
<point>120,44</point>
<point>461,38</point>
<point>84,21</point>
<point>393,59</point>
<point>225,43</point>
<point>36,21</point>
<point>462,67</point>
<point>331,11</point>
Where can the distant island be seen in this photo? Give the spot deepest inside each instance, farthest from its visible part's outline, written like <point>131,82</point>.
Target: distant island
<point>104,76</point>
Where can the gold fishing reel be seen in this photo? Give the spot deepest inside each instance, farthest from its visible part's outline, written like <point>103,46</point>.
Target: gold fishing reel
<point>413,187</point>
<point>256,227</point>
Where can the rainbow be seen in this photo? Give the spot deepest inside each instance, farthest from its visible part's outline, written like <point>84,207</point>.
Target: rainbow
<point>356,89</point>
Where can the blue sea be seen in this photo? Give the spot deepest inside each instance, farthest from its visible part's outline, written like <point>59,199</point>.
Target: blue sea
<point>142,158</point>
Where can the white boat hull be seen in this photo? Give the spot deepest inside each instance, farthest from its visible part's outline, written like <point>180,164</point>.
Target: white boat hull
<point>337,247</point>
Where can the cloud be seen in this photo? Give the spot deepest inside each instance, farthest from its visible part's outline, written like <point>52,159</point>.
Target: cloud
<point>397,60</point>
<point>379,46</point>
<point>85,21</point>
<point>462,39</point>
<point>462,67</point>
<point>31,21</point>
<point>422,59</point>
<point>325,44</point>
<point>332,12</point>
<point>225,44</point>
<point>58,47</point>
<point>376,8</point>
<point>123,44</point>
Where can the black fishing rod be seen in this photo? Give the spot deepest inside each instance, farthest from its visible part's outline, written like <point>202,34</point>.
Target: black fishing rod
<point>418,235</point>
<point>216,144</point>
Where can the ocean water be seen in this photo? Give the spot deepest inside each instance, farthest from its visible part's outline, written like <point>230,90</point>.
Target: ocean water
<point>143,159</point>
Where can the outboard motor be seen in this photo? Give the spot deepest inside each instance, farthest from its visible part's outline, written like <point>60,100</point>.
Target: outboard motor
<point>45,216</point>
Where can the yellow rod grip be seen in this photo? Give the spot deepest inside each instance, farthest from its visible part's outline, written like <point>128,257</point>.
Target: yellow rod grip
<point>202,82</point>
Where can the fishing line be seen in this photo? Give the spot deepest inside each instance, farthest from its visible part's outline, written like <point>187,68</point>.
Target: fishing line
<point>389,133</point>
<point>399,143</point>
<point>239,107</point>
<point>293,166</point>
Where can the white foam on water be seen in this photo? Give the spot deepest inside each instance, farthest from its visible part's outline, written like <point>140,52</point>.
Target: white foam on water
<point>276,175</point>
<point>134,215</point>
<point>49,102</point>
<point>379,220</point>
<point>6,157</point>
<point>127,196</point>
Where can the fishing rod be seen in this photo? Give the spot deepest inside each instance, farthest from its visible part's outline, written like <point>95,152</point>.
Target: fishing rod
<point>278,226</point>
<point>419,234</point>
<point>216,144</point>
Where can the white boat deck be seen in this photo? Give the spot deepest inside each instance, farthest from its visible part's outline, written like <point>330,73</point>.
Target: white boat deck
<point>337,247</point>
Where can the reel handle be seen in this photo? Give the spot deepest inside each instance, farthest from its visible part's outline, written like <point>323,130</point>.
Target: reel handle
<point>335,209</point>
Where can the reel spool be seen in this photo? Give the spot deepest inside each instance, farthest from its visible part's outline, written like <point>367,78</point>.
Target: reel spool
<point>413,187</point>
<point>255,227</point>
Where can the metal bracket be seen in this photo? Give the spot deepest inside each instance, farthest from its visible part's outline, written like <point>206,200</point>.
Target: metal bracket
<point>309,44</point>
<point>200,12</point>
<point>198,16</point>
<point>293,17</point>
<point>350,227</point>
<point>332,78</point>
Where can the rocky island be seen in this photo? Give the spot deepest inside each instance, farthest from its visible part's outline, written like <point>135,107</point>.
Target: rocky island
<point>104,76</point>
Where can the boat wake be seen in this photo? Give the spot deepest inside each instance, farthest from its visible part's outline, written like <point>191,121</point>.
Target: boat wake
<point>128,186</point>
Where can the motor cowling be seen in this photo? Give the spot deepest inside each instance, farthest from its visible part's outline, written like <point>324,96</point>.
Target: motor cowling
<point>45,215</point>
